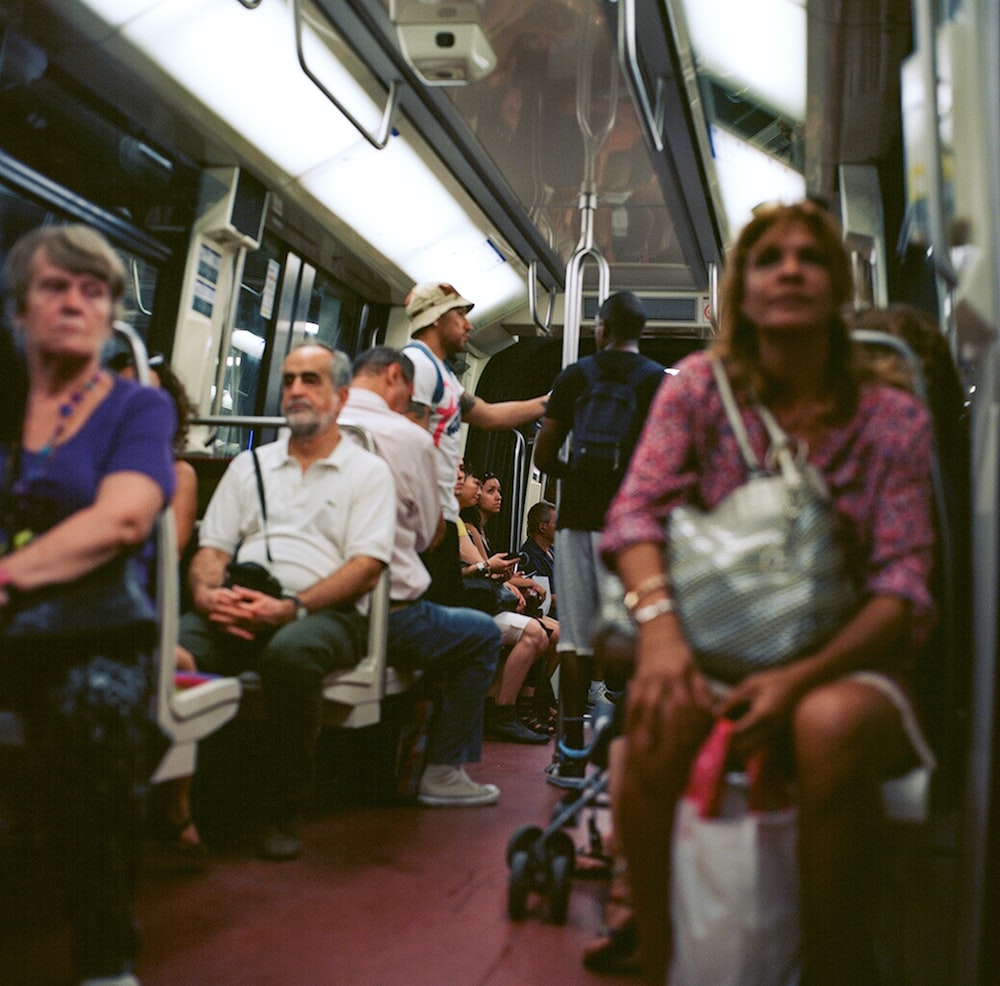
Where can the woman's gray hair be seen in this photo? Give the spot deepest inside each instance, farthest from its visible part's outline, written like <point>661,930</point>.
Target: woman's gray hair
<point>74,247</point>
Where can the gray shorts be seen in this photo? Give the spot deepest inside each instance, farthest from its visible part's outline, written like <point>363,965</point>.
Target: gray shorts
<point>580,573</point>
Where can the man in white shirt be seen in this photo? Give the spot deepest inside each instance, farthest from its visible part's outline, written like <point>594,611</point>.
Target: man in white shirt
<point>323,523</point>
<point>440,329</point>
<point>460,645</point>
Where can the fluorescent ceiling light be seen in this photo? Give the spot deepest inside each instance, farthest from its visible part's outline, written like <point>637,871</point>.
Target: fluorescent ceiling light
<point>415,222</point>
<point>758,45</point>
<point>241,66</point>
<point>748,177</point>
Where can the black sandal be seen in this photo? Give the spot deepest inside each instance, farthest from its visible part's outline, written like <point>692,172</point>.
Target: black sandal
<point>616,952</point>
<point>170,835</point>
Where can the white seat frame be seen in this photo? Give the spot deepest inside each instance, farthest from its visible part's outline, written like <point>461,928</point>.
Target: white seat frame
<point>354,696</point>
<point>189,715</point>
<point>186,716</point>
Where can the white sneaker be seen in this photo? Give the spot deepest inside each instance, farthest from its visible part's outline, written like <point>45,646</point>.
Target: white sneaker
<point>126,979</point>
<point>443,785</point>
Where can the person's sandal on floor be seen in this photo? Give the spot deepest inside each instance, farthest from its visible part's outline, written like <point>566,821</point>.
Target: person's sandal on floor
<point>502,724</point>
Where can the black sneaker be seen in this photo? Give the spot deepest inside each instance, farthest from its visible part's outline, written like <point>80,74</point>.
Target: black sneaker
<point>282,843</point>
<point>502,724</point>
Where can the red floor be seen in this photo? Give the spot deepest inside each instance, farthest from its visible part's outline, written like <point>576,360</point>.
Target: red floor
<point>381,895</point>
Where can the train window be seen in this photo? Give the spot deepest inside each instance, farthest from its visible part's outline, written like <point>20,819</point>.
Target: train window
<point>332,316</point>
<point>22,214</point>
<point>283,302</point>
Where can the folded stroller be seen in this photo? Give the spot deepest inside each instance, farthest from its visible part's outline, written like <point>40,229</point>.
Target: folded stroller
<point>541,860</point>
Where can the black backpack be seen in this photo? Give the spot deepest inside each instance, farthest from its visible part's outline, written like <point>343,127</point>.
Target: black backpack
<point>602,419</point>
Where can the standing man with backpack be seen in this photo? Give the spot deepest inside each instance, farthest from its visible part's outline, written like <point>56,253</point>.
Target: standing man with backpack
<point>602,401</point>
<point>440,328</point>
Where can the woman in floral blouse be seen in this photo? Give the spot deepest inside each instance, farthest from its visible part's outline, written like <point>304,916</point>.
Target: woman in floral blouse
<point>841,712</point>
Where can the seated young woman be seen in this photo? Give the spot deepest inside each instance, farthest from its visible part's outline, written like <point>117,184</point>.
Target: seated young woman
<point>839,712</point>
<point>525,636</point>
<point>536,700</point>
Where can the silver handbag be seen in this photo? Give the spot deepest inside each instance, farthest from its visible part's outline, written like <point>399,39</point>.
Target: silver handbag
<point>764,577</point>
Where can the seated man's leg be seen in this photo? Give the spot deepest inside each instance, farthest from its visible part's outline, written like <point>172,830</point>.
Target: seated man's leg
<point>292,668</point>
<point>462,646</point>
<point>214,651</point>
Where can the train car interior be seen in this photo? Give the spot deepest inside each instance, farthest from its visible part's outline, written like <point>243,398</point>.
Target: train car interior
<point>274,172</point>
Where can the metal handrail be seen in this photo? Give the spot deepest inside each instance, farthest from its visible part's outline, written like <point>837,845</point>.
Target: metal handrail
<point>140,356</point>
<point>545,326</point>
<point>574,279</point>
<point>628,57</point>
<point>384,132</point>
<point>240,420</point>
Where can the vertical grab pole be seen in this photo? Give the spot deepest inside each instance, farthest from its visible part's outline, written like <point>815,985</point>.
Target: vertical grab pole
<point>593,138</point>
<point>574,298</point>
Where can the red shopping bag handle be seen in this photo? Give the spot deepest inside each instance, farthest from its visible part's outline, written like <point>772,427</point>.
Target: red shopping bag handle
<point>767,790</point>
<point>708,773</point>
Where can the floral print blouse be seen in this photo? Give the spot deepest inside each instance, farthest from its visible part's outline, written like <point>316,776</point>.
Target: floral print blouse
<point>876,465</point>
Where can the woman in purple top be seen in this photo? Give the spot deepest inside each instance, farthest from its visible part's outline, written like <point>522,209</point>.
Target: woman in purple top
<point>783,343</point>
<point>84,478</point>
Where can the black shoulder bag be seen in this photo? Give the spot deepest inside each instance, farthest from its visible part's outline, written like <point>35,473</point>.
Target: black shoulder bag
<point>250,574</point>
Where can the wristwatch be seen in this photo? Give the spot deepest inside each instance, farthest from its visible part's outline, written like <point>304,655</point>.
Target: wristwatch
<point>483,568</point>
<point>301,611</point>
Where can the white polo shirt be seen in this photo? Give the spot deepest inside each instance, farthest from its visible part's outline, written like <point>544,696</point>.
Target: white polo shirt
<point>341,507</point>
<point>410,453</point>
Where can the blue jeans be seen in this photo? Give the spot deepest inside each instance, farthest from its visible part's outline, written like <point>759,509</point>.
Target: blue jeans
<point>462,647</point>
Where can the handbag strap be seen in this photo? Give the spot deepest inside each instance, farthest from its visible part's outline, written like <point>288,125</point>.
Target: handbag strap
<point>781,444</point>
<point>263,502</point>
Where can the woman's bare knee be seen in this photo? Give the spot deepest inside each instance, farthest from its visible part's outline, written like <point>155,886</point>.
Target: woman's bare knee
<point>844,735</point>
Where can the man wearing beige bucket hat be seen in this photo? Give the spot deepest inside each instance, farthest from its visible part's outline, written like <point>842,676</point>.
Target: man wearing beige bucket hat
<point>440,328</point>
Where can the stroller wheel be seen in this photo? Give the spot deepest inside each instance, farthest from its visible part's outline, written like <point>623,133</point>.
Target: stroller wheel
<point>518,885</point>
<point>523,839</point>
<point>560,843</point>
<point>560,884</point>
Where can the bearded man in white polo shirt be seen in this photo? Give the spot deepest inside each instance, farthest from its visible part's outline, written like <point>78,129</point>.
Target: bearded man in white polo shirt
<point>326,535</point>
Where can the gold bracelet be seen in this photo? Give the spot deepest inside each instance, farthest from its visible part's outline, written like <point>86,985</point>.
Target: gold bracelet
<point>634,596</point>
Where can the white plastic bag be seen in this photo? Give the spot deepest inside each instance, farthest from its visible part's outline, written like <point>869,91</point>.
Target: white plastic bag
<point>734,879</point>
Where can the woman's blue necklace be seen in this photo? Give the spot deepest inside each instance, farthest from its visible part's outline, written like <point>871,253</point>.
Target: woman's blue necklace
<point>66,411</point>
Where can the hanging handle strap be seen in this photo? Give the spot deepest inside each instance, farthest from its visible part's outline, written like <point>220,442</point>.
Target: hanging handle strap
<point>263,502</point>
